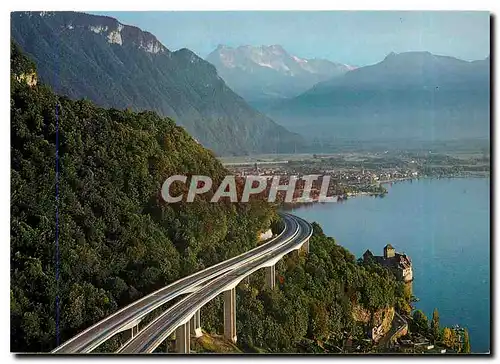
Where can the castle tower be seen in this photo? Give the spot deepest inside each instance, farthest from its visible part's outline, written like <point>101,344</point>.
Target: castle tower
<point>367,256</point>
<point>389,251</point>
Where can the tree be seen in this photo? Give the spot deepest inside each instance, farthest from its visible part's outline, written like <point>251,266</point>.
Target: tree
<point>448,337</point>
<point>318,323</point>
<point>466,346</point>
<point>455,342</point>
<point>420,323</point>
<point>451,339</point>
<point>435,325</point>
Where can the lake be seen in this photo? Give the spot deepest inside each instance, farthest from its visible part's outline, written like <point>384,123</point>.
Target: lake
<point>444,226</point>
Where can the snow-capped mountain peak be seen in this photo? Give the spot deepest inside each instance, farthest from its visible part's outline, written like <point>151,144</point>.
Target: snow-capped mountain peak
<point>274,57</point>
<point>271,69</point>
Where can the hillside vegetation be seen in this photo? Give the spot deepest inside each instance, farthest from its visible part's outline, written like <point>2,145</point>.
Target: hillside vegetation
<point>116,240</point>
<point>311,308</point>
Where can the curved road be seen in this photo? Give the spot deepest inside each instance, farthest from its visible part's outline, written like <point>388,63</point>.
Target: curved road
<point>149,338</point>
<point>130,315</point>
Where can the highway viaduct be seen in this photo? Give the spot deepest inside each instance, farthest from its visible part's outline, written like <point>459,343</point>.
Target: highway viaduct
<point>183,318</point>
<point>184,332</point>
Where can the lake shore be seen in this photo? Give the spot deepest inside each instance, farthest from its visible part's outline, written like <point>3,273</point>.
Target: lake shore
<point>449,245</point>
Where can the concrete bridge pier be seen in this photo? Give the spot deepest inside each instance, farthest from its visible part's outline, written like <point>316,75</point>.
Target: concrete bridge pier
<point>230,315</point>
<point>305,246</point>
<point>134,331</point>
<point>131,332</point>
<point>195,324</point>
<point>271,276</point>
<point>182,339</point>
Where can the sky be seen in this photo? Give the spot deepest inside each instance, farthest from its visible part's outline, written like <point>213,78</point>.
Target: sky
<point>351,37</point>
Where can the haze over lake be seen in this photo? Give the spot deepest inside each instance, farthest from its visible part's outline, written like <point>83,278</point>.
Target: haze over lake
<point>444,225</point>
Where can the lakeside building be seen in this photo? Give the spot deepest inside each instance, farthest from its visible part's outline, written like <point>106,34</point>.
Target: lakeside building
<point>400,264</point>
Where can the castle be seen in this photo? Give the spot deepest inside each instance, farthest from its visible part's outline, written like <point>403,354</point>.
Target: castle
<point>400,264</point>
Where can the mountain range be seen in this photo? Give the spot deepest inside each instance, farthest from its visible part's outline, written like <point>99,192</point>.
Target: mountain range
<point>262,73</point>
<point>415,96</point>
<point>121,66</point>
<point>411,96</point>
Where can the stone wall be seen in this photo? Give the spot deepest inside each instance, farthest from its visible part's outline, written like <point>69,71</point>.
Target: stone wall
<point>379,322</point>
<point>265,235</point>
<point>402,328</point>
<point>29,78</point>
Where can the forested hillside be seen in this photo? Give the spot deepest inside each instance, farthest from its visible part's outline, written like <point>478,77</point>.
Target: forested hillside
<point>117,240</point>
<point>311,309</point>
<point>115,65</point>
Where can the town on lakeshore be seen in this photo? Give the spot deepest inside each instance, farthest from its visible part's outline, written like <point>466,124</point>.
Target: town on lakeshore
<point>362,173</point>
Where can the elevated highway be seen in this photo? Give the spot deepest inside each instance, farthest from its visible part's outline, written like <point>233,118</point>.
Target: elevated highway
<point>199,287</point>
<point>179,315</point>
